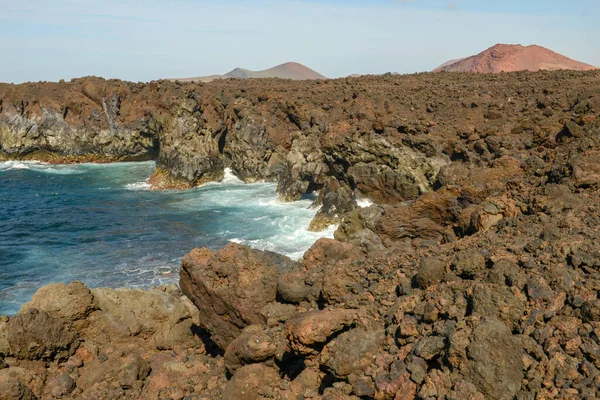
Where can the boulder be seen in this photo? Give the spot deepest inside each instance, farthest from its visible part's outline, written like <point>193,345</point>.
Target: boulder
<point>68,303</point>
<point>297,286</point>
<point>351,352</point>
<point>468,263</point>
<point>4,346</point>
<point>231,287</point>
<point>255,344</point>
<point>61,386</point>
<point>590,311</point>
<point>13,385</point>
<point>498,301</point>
<point>329,251</point>
<point>495,360</point>
<point>586,169</point>
<point>430,347</point>
<point>35,335</point>
<point>431,271</point>
<point>155,315</point>
<point>306,330</point>
<point>124,369</point>
<point>252,382</point>
<point>336,199</point>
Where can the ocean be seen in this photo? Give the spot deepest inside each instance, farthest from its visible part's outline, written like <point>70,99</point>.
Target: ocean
<point>100,224</point>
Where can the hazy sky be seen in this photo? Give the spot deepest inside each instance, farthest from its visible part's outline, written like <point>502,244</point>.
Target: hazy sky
<point>151,39</point>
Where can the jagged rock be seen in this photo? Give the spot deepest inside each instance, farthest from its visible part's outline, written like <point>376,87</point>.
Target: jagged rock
<point>252,382</point>
<point>4,346</point>
<point>35,335</point>
<point>335,200</point>
<point>255,344</point>
<point>298,286</point>
<point>61,386</point>
<point>231,287</point>
<point>586,169</point>
<point>274,313</point>
<point>363,388</point>
<point>127,370</point>
<point>351,352</point>
<point>13,385</point>
<point>571,129</point>
<point>467,264</point>
<point>330,252</point>
<point>315,327</point>
<point>497,301</point>
<point>305,168</point>
<point>590,311</point>
<point>69,303</point>
<point>431,271</point>
<point>155,315</point>
<point>495,360</point>
<point>306,384</point>
<point>430,347</point>
<point>503,211</point>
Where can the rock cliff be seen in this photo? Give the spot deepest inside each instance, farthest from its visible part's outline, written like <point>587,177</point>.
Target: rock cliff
<point>473,276</point>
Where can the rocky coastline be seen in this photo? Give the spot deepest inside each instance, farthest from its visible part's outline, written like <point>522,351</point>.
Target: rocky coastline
<point>474,275</point>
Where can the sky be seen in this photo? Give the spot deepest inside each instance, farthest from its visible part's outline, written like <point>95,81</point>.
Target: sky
<point>153,39</point>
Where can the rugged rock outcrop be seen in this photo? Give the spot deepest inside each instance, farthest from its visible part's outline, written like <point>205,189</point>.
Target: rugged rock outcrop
<point>231,287</point>
<point>474,275</point>
<point>70,342</point>
<point>390,139</point>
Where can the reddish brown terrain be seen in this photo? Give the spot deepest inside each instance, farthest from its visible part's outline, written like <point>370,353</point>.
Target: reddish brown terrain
<point>474,275</point>
<point>290,70</point>
<point>514,57</point>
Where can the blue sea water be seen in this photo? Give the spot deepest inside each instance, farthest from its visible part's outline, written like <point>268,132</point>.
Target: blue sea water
<point>102,225</point>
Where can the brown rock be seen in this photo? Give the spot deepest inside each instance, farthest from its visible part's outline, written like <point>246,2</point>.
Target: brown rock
<point>329,251</point>
<point>158,317</point>
<point>586,169</point>
<point>61,386</point>
<point>590,311</point>
<point>68,303</point>
<point>230,287</point>
<point>255,344</point>
<point>314,327</point>
<point>431,271</point>
<point>495,362</point>
<point>295,287</point>
<point>398,387</point>
<point>126,370</point>
<point>13,385</point>
<point>252,382</point>
<point>351,352</point>
<point>35,335</point>
<point>467,264</point>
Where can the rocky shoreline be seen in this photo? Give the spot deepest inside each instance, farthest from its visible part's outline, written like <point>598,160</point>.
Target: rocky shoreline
<point>474,276</point>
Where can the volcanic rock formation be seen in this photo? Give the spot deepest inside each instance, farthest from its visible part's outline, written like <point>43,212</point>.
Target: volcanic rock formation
<point>511,58</point>
<point>475,275</point>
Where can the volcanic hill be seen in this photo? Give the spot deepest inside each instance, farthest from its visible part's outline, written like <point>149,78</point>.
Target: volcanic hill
<point>290,70</point>
<point>514,57</point>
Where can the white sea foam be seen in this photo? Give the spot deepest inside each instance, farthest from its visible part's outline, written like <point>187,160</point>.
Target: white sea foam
<point>12,165</point>
<point>364,203</point>
<point>144,185</point>
<point>39,167</point>
<point>230,179</point>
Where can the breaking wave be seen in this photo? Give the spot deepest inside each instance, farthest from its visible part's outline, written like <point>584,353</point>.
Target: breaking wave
<point>100,223</point>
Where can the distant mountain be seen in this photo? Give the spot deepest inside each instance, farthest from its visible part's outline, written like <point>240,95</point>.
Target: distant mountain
<point>510,58</point>
<point>290,70</point>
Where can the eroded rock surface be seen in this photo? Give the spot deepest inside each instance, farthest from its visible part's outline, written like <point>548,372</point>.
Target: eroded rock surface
<point>474,275</point>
